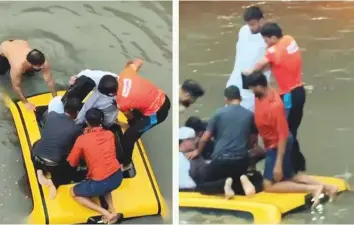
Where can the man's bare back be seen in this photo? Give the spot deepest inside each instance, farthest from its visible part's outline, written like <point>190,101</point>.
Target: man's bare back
<point>16,52</point>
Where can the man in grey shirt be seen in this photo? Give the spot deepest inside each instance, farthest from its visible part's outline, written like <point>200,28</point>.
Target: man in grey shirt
<point>234,132</point>
<point>58,137</point>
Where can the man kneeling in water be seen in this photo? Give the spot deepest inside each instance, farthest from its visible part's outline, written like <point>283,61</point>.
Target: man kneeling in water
<point>270,119</point>
<point>58,137</point>
<point>97,147</point>
<point>189,92</point>
<point>18,57</point>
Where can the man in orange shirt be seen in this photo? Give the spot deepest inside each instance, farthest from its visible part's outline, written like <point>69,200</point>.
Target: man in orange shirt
<point>144,105</point>
<point>271,123</point>
<point>284,57</point>
<point>97,147</point>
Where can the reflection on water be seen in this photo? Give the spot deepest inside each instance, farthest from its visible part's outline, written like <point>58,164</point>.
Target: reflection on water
<point>75,36</point>
<point>324,31</point>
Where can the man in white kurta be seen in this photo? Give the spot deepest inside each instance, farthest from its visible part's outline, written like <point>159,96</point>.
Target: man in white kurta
<point>250,48</point>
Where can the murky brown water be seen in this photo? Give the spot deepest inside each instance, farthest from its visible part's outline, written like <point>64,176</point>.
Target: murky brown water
<point>93,35</point>
<point>325,33</point>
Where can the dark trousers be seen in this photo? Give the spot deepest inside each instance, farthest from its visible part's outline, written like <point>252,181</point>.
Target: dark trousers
<point>138,126</point>
<point>294,103</point>
<point>217,187</point>
<point>61,173</point>
<point>211,178</point>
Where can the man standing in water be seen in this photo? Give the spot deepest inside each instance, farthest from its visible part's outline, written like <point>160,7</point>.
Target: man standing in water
<point>18,57</point>
<point>250,48</point>
<point>270,119</point>
<point>284,57</point>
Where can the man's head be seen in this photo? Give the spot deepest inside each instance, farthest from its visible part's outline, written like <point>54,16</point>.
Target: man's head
<point>72,107</point>
<point>108,85</point>
<point>94,117</point>
<point>232,95</point>
<point>190,91</point>
<point>187,139</point>
<point>253,16</point>
<point>258,83</point>
<point>271,33</point>
<point>196,124</point>
<point>36,60</point>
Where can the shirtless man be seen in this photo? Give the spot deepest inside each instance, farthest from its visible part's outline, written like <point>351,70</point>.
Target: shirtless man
<point>18,57</point>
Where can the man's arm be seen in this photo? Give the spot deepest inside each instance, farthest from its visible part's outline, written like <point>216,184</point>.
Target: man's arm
<point>208,134</point>
<point>203,141</point>
<point>49,79</point>
<point>253,139</point>
<point>90,101</point>
<point>16,83</point>
<point>135,64</point>
<point>260,65</point>
<point>75,154</point>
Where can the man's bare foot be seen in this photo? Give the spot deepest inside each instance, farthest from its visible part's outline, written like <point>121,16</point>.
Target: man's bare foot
<point>229,193</point>
<point>317,195</point>
<point>331,191</point>
<point>247,186</point>
<point>41,178</point>
<point>52,190</point>
<point>127,167</point>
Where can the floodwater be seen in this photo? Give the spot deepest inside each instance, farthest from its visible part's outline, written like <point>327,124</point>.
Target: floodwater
<point>94,35</point>
<point>325,33</point>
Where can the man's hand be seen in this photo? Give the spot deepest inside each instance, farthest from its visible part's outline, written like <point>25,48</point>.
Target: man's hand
<point>277,172</point>
<point>72,80</point>
<point>247,72</point>
<point>191,155</point>
<point>30,107</point>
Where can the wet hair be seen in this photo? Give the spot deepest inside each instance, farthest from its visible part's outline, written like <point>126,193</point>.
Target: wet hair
<point>271,29</point>
<point>35,57</point>
<point>252,13</point>
<point>108,85</point>
<point>94,117</point>
<point>196,124</point>
<point>257,78</point>
<point>232,93</point>
<point>72,106</point>
<point>193,88</point>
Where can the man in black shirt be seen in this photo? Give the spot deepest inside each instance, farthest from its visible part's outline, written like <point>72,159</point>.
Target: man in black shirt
<point>58,137</point>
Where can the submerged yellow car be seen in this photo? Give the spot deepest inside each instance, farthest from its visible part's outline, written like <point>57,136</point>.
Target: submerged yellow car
<point>266,208</point>
<point>138,196</point>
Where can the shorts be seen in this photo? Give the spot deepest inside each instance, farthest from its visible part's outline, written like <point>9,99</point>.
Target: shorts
<point>157,117</point>
<point>4,65</point>
<point>92,188</point>
<point>294,102</point>
<point>271,156</point>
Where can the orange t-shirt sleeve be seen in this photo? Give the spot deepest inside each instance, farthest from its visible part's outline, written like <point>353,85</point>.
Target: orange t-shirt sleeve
<point>75,154</point>
<point>281,122</point>
<point>128,71</point>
